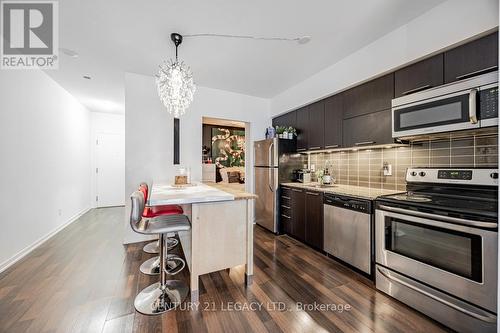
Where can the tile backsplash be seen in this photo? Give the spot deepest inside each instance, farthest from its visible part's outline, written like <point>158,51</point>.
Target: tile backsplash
<point>364,167</point>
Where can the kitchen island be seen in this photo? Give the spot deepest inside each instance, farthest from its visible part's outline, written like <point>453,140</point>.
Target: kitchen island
<point>221,234</point>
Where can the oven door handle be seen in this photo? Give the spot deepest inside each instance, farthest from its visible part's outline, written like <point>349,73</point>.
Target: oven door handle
<point>480,224</point>
<point>486,317</point>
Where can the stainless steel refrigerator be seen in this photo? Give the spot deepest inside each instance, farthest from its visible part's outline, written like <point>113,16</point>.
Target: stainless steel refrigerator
<point>273,163</point>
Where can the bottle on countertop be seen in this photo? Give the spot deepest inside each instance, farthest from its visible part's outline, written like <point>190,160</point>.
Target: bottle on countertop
<point>327,178</point>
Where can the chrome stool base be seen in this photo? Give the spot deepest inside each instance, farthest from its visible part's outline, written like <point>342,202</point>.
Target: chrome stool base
<point>152,300</point>
<point>175,264</point>
<point>154,247</point>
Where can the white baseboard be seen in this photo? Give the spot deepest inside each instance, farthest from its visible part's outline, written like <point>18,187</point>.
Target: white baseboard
<point>24,252</point>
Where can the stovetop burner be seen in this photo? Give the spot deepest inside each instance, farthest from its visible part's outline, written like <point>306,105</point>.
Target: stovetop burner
<point>442,203</point>
<point>412,197</point>
<point>466,192</point>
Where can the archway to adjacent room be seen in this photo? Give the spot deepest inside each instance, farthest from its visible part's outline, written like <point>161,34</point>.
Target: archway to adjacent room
<point>224,148</point>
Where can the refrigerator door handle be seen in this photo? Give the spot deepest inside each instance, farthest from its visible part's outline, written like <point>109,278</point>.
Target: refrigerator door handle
<point>271,155</point>
<point>270,177</point>
<point>270,170</point>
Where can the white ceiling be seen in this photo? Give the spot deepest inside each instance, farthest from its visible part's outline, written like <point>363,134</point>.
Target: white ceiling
<point>117,36</point>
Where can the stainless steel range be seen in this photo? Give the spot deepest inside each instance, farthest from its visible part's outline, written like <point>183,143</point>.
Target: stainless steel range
<point>436,246</point>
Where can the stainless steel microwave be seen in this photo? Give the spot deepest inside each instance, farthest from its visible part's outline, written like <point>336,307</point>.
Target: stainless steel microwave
<point>462,105</point>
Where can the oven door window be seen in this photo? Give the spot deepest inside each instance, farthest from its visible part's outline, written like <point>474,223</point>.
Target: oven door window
<point>449,250</point>
<point>446,111</point>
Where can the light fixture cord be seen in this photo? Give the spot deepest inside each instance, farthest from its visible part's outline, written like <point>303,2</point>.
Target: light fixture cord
<point>242,36</point>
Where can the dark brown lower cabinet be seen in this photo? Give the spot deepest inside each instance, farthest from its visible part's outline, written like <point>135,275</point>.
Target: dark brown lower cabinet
<point>314,219</point>
<point>285,211</point>
<point>298,214</point>
<point>302,215</point>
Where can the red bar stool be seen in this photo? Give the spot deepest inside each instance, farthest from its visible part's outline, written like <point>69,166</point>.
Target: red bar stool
<point>174,263</point>
<point>154,211</point>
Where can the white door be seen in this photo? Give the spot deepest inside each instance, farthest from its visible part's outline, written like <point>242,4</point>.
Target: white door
<point>110,169</point>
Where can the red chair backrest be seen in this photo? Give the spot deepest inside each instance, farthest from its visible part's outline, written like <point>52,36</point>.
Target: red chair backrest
<point>144,190</point>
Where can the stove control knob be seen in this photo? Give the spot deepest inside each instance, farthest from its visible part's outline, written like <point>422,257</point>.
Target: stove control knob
<point>494,175</point>
<point>422,174</point>
<point>413,173</point>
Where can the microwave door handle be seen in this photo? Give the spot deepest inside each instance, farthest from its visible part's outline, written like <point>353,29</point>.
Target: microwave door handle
<point>473,106</point>
<point>483,317</point>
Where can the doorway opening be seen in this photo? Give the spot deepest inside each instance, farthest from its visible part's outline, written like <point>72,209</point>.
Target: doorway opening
<point>224,148</point>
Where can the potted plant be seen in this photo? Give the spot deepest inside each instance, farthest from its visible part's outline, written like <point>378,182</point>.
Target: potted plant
<point>285,132</point>
<point>279,131</point>
<point>291,132</point>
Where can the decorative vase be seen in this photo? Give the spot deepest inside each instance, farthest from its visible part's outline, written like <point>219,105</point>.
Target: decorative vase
<point>285,135</point>
<point>290,136</point>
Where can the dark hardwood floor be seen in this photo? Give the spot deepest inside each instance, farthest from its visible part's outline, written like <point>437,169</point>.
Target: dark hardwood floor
<point>85,280</point>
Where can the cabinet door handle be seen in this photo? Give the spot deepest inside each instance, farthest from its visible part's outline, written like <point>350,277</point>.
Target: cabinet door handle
<point>364,143</point>
<point>286,216</point>
<point>313,193</point>
<point>332,146</point>
<point>416,89</point>
<point>285,206</point>
<point>314,148</point>
<point>284,197</point>
<point>484,70</point>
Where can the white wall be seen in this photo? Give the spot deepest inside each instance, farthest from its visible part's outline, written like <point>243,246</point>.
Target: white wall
<point>44,160</point>
<point>108,123</point>
<point>445,25</point>
<point>149,132</point>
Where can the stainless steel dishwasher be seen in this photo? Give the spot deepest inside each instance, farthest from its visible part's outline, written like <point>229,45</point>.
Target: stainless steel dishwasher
<point>348,230</point>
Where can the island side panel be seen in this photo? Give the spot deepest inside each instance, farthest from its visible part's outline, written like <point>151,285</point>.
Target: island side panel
<point>221,235</point>
<point>196,249</point>
<point>249,254</point>
<point>185,237</point>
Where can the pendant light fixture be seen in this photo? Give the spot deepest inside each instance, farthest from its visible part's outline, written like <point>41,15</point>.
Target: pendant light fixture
<point>175,82</point>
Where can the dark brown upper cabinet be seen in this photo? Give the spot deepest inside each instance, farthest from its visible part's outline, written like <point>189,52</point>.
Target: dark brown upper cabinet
<point>372,96</point>
<point>287,119</point>
<point>302,128</point>
<point>314,219</point>
<point>422,75</point>
<point>315,128</point>
<point>333,121</point>
<point>474,58</point>
<point>370,129</point>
